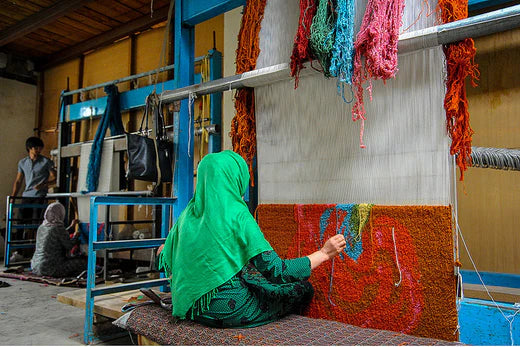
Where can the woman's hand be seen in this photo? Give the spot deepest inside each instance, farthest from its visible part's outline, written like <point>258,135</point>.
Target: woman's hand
<point>332,247</point>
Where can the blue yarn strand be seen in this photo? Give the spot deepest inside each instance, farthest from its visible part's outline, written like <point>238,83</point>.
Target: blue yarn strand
<point>111,119</point>
<point>341,65</point>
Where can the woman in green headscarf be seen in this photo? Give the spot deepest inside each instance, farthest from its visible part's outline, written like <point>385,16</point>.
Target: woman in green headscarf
<point>223,271</point>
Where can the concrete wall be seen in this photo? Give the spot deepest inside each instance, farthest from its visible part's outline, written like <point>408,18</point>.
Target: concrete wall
<point>17,115</point>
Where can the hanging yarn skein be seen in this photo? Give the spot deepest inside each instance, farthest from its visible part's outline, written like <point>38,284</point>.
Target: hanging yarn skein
<point>323,35</point>
<point>460,63</point>
<point>110,119</point>
<point>341,64</point>
<point>376,41</point>
<point>243,127</point>
<point>301,50</point>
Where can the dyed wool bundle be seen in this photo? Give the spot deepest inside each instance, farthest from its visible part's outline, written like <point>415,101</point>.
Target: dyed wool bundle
<point>460,64</point>
<point>301,51</point>
<point>396,273</point>
<point>309,153</point>
<point>323,34</point>
<point>341,64</point>
<point>376,41</point>
<point>243,128</point>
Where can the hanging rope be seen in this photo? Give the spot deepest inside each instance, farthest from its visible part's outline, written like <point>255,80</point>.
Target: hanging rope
<point>243,127</point>
<point>460,63</point>
<point>376,41</point>
<point>301,50</point>
<point>323,35</point>
<point>341,64</point>
<point>110,119</point>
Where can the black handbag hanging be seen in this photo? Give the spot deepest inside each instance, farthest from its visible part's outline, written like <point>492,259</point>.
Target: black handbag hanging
<point>144,151</point>
<point>163,146</point>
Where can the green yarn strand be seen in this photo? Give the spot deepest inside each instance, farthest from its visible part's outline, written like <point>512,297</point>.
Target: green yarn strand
<point>323,34</point>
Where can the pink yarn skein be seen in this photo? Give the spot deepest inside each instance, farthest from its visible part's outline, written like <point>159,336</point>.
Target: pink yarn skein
<point>377,41</point>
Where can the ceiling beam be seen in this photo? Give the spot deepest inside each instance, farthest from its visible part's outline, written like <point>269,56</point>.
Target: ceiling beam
<point>107,38</point>
<point>39,19</point>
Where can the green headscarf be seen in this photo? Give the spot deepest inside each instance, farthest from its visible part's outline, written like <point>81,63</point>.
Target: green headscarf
<point>214,237</point>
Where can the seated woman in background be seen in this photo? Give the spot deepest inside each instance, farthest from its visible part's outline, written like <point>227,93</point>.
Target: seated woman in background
<point>224,273</point>
<point>53,244</point>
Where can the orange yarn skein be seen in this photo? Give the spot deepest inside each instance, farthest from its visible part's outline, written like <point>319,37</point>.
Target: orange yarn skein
<point>460,62</point>
<point>243,127</point>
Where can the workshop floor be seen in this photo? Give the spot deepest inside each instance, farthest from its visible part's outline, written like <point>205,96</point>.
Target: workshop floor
<point>31,315</point>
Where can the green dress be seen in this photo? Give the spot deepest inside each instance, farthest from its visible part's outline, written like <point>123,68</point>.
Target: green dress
<point>266,289</point>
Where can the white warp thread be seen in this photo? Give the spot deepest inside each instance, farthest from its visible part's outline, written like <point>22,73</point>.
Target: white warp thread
<point>308,147</point>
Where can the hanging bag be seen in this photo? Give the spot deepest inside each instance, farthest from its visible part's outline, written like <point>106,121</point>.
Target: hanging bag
<point>141,154</point>
<point>150,159</point>
<point>164,147</point>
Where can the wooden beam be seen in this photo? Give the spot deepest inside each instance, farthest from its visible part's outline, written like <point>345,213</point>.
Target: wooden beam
<point>39,19</point>
<point>104,39</point>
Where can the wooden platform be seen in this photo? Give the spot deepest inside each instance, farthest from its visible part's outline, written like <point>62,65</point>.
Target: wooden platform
<point>108,305</point>
<point>503,294</point>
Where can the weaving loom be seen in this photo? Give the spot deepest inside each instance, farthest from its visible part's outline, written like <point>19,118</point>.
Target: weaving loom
<point>309,153</point>
<point>392,200</point>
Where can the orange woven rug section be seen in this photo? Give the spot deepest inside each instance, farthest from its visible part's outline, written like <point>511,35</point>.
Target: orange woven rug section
<point>396,273</point>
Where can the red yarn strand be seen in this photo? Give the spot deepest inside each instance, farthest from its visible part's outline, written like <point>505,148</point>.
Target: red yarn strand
<point>301,50</point>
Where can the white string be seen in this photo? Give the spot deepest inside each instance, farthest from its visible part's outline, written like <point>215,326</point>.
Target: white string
<point>191,100</point>
<point>507,318</point>
<point>332,269</point>
<point>396,259</point>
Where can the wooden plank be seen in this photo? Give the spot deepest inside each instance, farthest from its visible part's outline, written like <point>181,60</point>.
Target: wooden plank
<point>144,341</point>
<point>121,14</point>
<point>503,294</point>
<point>39,19</point>
<point>93,26</point>
<point>139,24</point>
<point>488,199</point>
<point>108,305</point>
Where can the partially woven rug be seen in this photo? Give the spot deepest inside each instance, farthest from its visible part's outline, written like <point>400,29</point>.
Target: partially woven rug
<point>396,272</point>
<point>158,325</point>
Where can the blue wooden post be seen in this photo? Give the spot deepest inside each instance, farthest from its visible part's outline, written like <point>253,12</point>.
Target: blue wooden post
<point>184,60</point>
<point>7,252</point>
<point>215,72</point>
<point>88,330</point>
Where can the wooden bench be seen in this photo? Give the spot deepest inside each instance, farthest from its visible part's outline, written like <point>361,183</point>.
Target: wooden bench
<point>156,326</point>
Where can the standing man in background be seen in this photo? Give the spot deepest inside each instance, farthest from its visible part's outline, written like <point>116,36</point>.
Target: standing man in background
<point>38,172</point>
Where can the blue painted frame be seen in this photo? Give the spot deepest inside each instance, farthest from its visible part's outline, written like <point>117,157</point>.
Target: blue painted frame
<point>195,12</point>
<point>95,245</point>
<point>184,51</point>
<point>215,72</point>
<point>491,278</point>
<point>482,323</point>
<point>480,4</point>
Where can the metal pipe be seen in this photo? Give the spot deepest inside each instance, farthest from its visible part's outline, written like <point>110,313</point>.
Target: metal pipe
<point>119,80</point>
<point>127,78</point>
<point>76,195</point>
<point>481,25</point>
<point>477,26</point>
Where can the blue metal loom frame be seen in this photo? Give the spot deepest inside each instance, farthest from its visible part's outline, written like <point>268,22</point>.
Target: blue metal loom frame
<point>95,245</point>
